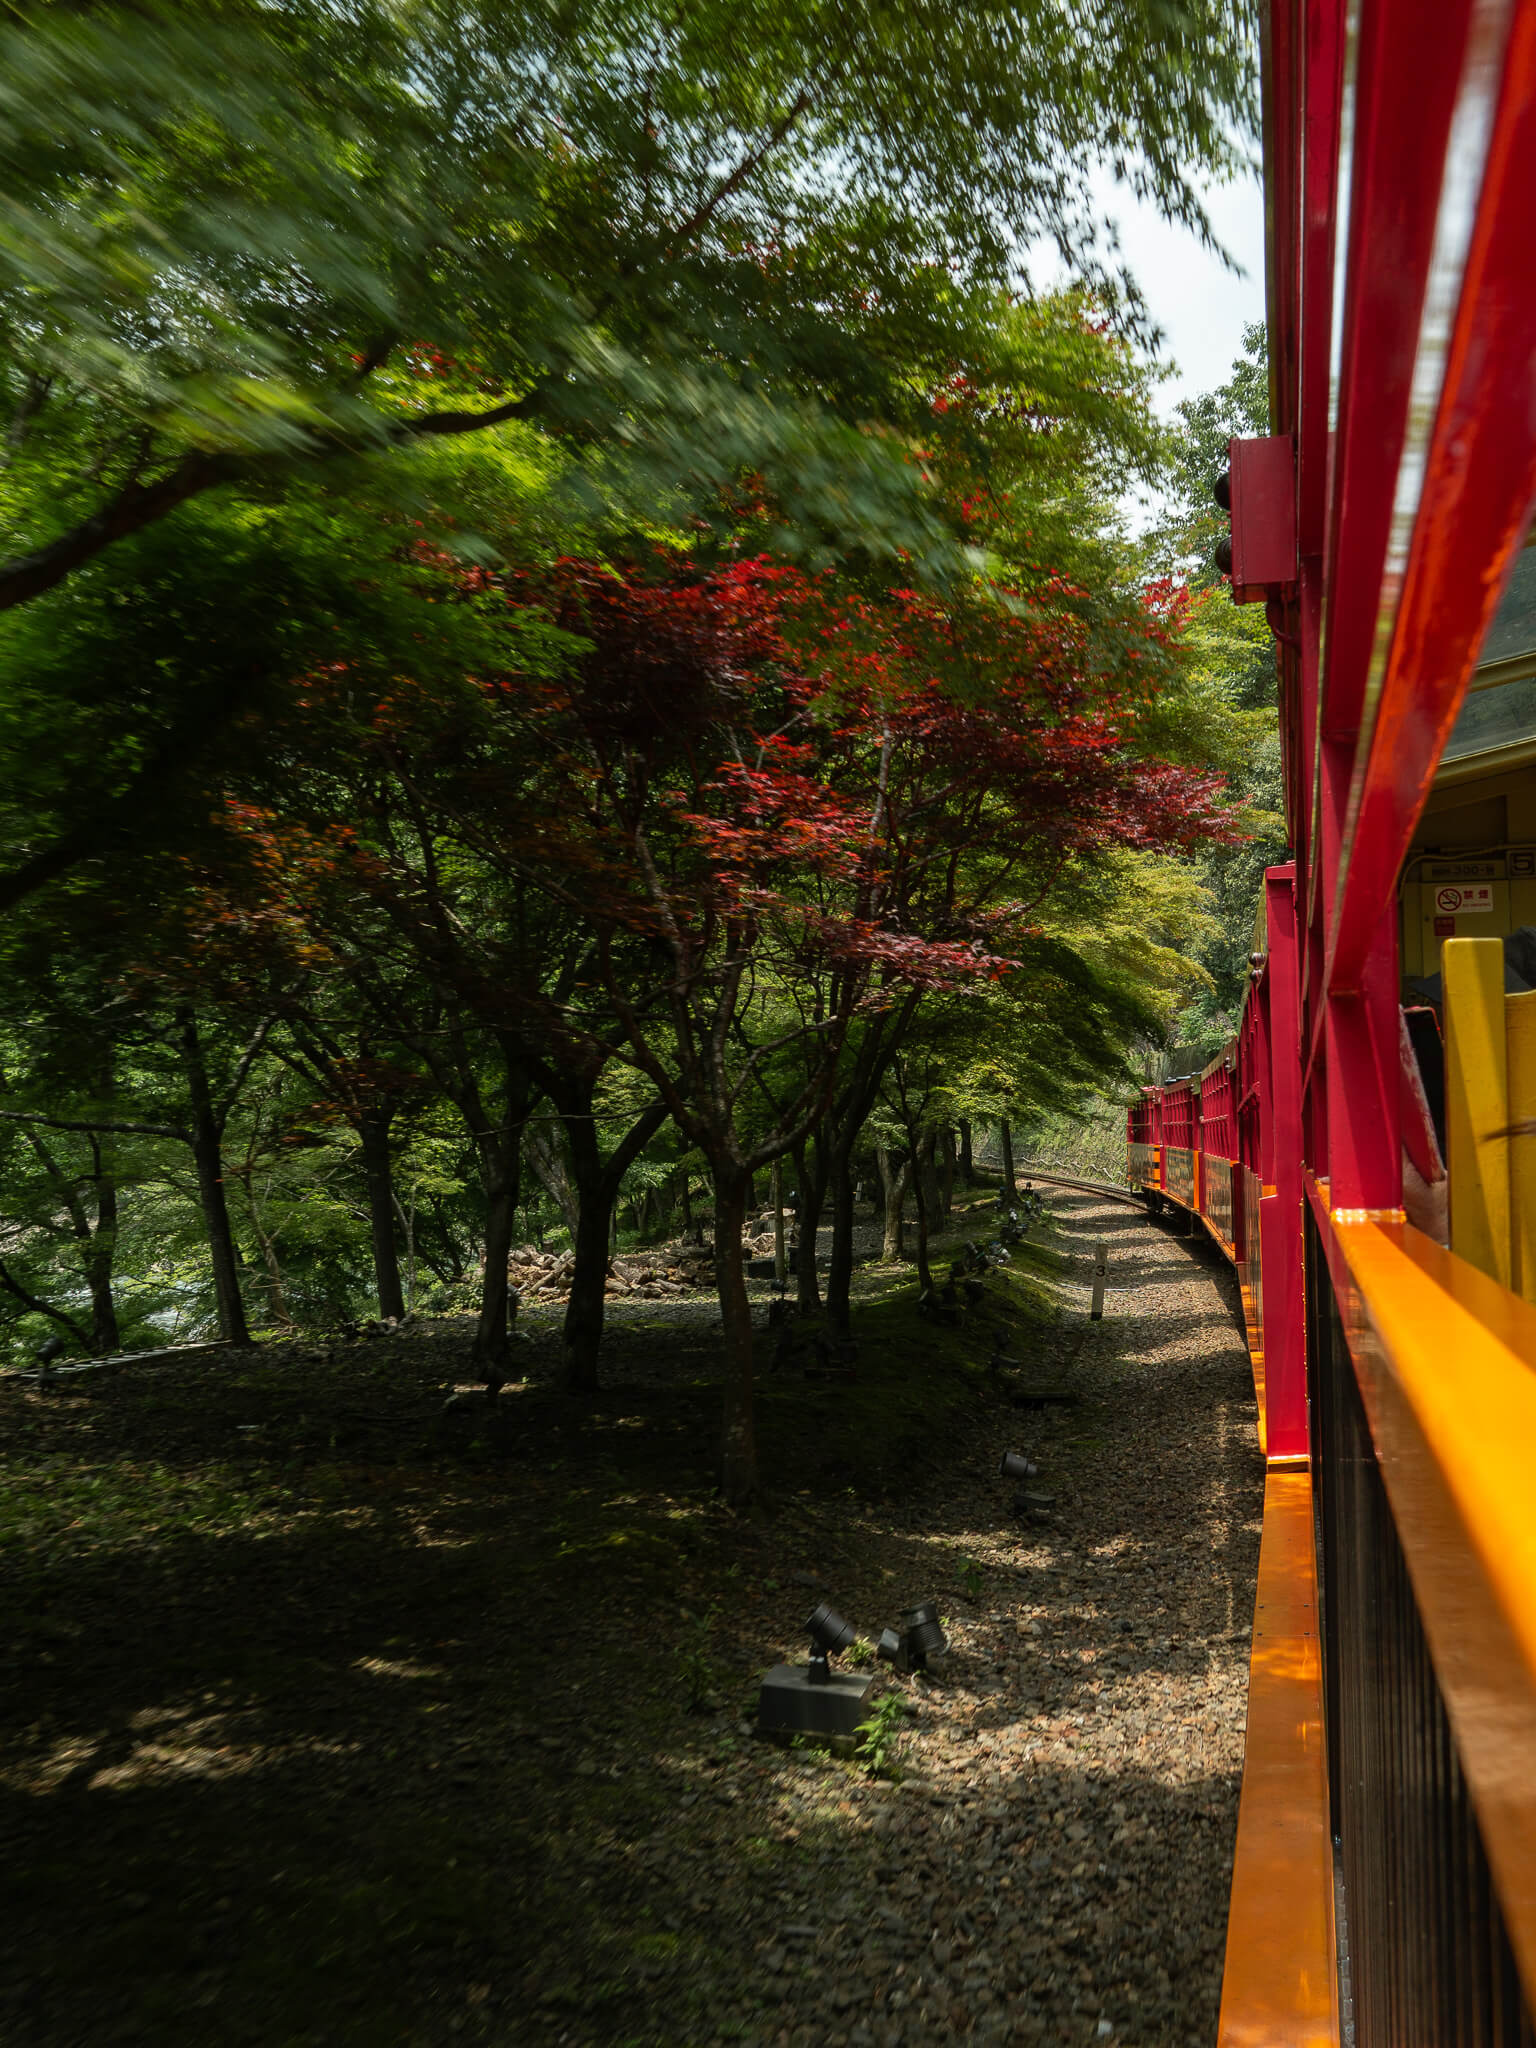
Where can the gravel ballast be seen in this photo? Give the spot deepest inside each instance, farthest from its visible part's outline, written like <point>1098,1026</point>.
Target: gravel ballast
<point>1053,1862</point>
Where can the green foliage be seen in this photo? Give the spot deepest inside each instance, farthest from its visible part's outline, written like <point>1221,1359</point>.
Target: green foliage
<point>879,1743</point>
<point>1231,681</point>
<point>698,1676</point>
<point>242,240</point>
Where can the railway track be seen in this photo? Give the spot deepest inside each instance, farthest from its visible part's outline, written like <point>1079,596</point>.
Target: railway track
<point>1088,1187</point>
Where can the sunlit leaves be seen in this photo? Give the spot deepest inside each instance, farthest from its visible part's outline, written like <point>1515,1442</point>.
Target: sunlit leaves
<point>707,240</point>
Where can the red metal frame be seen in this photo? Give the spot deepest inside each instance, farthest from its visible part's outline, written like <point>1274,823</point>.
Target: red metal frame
<point>1431,477</point>
<point>1229,1151</point>
<point>1400,164</point>
<point>1413,495</point>
<point>1475,508</point>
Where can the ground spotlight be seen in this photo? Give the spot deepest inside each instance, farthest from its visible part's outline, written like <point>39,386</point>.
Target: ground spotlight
<point>924,1636</point>
<point>1016,1466</point>
<point>814,1699</point>
<point>829,1633</point>
<point>920,1637</point>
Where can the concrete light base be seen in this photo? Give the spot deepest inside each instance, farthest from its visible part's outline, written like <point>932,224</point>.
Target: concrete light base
<point>789,1704</point>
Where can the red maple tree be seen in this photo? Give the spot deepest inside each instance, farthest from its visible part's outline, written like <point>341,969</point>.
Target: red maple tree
<point>742,808</point>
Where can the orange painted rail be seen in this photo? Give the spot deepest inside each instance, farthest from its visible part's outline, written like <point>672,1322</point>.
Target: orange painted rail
<point>1279,1987</point>
<point>1446,1363</point>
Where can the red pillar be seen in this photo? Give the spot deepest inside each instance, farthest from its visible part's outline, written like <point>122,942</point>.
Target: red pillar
<point>1280,1212</point>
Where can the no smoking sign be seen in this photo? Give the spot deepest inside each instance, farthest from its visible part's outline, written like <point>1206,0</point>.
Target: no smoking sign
<point>1464,899</point>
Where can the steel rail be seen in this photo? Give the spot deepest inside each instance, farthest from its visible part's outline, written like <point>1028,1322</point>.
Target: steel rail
<point>1089,1187</point>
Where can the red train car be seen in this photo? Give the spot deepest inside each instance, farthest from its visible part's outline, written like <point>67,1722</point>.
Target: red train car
<point>1364,1151</point>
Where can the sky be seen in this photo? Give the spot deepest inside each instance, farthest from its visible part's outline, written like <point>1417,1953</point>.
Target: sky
<point>1201,306</point>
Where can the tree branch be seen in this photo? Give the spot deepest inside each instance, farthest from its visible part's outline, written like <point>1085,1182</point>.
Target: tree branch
<point>135,507</point>
<point>64,1123</point>
<point>237,1082</point>
<point>43,1308</point>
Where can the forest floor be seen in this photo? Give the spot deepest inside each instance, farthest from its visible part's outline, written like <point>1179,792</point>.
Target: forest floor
<point>326,1719</point>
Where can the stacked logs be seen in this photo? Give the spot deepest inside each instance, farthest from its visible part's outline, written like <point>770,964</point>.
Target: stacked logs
<point>653,1275</point>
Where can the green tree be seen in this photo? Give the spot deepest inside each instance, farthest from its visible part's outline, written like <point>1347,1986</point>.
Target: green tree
<point>246,239</point>
<point>1232,690</point>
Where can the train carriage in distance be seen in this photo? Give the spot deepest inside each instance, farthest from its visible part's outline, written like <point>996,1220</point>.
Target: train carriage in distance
<point>1364,1151</point>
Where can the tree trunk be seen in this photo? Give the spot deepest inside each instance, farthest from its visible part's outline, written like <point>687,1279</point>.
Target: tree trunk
<point>582,1337</point>
<point>780,1256</point>
<point>927,1171</point>
<point>967,1163</point>
<point>924,1181</point>
<point>738,1474</point>
<point>98,1268</point>
<point>407,1221</point>
<point>895,1179</point>
<point>687,1208</point>
<point>947,1186</point>
<point>277,1299</point>
<point>498,1136</point>
<point>492,1348</point>
<point>596,1182</point>
<point>95,1235</point>
<point>373,1134</point>
<point>552,1172</point>
<point>812,1194</point>
<point>100,1248</point>
<point>207,1155</point>
<point>840,1269</point>
<point>1006,1134</point>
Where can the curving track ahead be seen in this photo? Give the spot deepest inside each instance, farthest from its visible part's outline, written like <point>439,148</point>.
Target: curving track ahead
<point>1086,1187</point>
<point>1054,1867</point>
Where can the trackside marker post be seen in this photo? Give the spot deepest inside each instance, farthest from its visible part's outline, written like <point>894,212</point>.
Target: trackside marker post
<point>1100,1268</point>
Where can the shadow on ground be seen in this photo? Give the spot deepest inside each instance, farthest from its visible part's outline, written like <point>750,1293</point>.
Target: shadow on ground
<point>320,1728</point>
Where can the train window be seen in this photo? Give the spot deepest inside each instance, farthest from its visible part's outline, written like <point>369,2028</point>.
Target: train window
<point>1500,710</point>
<point>1513,632</point>
<point>1500,717</point>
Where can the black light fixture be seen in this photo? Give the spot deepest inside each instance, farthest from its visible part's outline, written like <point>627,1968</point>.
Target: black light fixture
<point>920,1637</point>
<point>1026,1505</point>
<point>829,1634</point>
<point>1221,491</point>
<point>925,1637</point>
<point>813,1699</point>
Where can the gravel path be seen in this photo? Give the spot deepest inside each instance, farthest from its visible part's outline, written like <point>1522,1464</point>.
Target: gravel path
<point>318,1729</point>
<point>1074,1802</point>
<point>1053,1863</point>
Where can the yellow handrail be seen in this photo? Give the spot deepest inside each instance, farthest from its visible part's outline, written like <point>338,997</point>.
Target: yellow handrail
<point>1477,1103</point>
<point>1490,1114</point>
